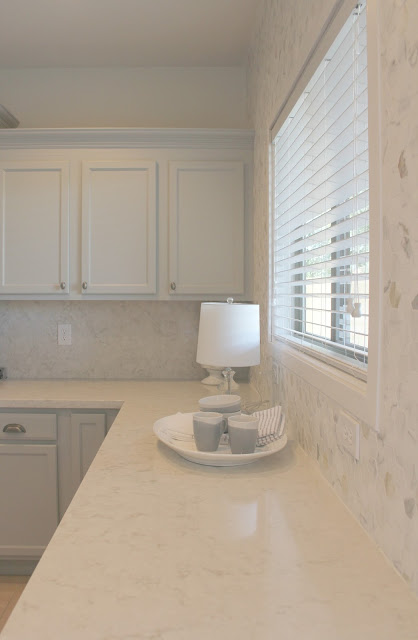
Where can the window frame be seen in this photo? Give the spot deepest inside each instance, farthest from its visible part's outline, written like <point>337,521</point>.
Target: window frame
<point>358,395</point>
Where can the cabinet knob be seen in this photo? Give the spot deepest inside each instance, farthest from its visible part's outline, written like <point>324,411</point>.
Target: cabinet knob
<point>173,286</point>
<point>14,428</point>
<point>63,285</point>
<point>84,285</point>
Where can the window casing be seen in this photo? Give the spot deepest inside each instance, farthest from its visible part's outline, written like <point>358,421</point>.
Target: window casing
<point>320,212</point>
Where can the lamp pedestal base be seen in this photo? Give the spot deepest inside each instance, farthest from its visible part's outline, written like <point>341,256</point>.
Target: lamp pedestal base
<point>229,383</point>
<point>223,387</point>
<point>216,379</point>
<point>215,375</point>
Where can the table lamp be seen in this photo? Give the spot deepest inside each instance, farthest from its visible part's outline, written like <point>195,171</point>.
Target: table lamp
<point>229,336</point>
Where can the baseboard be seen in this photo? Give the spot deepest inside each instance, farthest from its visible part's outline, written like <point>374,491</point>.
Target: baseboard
<point>18,567</point>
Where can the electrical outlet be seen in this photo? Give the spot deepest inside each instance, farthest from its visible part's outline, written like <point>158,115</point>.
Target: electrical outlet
<point>275,373</point>
<point>348,434</point>
<point>64,334</point>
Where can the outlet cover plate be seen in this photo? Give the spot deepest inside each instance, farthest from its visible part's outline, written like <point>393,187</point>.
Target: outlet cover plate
<point>64,334</point>
<point>275,373</point>
<point>348,434</point>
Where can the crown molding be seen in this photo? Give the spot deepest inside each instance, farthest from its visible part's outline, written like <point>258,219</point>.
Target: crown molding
<point>7,120</point>
<point>126,138</point>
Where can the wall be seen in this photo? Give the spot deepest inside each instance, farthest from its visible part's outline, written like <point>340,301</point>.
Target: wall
<point>129,97</point>
<point>124,340</point>
<point>382,489</point>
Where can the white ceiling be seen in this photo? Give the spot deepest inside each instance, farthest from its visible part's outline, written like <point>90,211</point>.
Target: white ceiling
<point>92,33</point>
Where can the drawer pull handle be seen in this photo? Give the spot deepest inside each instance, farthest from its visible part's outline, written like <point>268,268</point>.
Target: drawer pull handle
<point>84,285</point>
<point>63,285</point>
<point>14,428</point>
<point>173,286</point>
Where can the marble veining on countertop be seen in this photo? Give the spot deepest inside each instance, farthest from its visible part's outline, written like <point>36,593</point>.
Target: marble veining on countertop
<point>153,546</point>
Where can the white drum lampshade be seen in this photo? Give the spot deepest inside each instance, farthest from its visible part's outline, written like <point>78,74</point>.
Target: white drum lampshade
<point>229,335</point>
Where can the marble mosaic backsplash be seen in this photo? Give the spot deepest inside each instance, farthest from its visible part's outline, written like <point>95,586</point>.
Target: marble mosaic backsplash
<point>119,340</point>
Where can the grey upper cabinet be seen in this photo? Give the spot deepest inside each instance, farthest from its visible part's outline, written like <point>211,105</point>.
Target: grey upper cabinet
<point>34,227</point>
<point>119,225</point>
<point>137,214</point>
<point>207,234</point>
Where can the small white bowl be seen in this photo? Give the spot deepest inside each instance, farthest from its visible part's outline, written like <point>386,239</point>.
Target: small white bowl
<point>222,403</point>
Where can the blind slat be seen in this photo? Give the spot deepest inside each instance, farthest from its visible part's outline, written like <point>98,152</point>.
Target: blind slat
<point>340,221</point>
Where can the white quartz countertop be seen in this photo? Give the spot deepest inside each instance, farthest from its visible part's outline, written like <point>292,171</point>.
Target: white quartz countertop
<point>155,547</point>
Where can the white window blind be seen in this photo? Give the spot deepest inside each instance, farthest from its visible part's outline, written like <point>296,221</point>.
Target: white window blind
<point>320,224</point>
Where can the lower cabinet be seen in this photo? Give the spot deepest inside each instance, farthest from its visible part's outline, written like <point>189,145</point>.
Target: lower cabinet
<point>88,431</point>
<point>43,458</point>
<point>28,498</point>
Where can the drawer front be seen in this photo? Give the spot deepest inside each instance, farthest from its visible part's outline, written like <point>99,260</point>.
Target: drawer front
<point>28,426</point>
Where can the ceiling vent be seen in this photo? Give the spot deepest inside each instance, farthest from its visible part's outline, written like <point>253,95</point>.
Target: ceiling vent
<point>7,121</point>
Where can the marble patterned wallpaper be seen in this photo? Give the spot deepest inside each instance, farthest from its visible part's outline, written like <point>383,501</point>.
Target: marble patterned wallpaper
<point>122,340</point>
<point>381,489</point>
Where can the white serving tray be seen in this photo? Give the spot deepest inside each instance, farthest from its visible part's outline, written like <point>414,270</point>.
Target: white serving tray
<point>176,432</point>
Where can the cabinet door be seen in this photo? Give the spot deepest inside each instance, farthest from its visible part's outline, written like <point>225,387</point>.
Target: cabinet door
<point>28,498</point>
<point>119,228</point>
<point>34,199</point>
<point>206,213</point>
<point>88,431</point>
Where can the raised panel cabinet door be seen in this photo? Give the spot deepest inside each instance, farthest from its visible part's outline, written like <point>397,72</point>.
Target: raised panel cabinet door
<point>34,228</point>
<point>28,498</point>
<point>206,220</point>
<point>119,217</point>
<point>88,432</point>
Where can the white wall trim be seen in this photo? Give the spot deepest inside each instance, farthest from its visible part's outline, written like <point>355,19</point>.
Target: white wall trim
<point>352,394</point>
<point>127,138</point>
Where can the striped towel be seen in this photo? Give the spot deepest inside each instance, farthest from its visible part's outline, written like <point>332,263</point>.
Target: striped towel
<point>270,425</point>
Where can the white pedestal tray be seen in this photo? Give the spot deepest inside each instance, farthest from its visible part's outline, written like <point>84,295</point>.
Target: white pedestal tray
<point>176,432</point>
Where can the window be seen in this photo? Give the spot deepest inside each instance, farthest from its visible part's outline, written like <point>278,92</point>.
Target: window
<point>320,212</point>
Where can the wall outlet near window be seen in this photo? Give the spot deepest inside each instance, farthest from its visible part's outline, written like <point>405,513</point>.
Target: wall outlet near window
<point>348,434</point>
<point>275,373</point>
<point>64,334</point>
